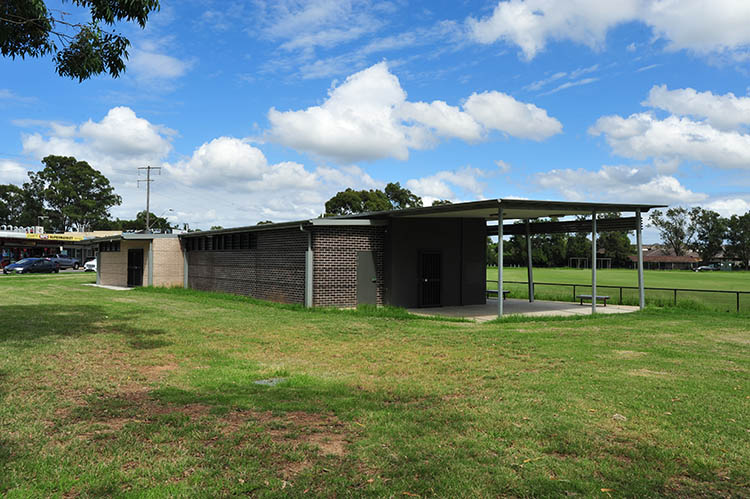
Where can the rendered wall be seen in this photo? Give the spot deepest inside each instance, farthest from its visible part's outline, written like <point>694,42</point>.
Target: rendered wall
<point>462,244</point>
<point>114,264</point>
<point>274,270</point>
<point>168,263</point>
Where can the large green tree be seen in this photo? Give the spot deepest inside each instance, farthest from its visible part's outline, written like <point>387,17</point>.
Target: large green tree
<point>394,197</point>
<point>139,223</point>
<point>72,193</point>
<point>28,28</point>
<point>11,204</point>
<point>709,230</point>
<point>674,228</point>
<point>616,244</point>
<point>738,238</point>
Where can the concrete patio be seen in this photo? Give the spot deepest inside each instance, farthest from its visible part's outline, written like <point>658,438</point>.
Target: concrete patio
<point>488,311</point>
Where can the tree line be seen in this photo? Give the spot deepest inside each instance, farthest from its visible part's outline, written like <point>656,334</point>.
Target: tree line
<point>704,231</point>
<point>67,195</point>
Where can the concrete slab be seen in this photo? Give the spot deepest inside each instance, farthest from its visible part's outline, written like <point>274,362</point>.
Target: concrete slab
<point>488,311</point>
<point>113,288</point>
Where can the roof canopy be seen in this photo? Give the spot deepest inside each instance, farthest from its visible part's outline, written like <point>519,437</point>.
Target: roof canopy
<point>512,209</point>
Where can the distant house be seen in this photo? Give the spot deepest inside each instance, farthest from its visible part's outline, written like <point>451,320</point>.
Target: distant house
<point>659,257</point>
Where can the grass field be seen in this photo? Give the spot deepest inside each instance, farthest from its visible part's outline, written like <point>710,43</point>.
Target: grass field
<point>729,281</point>
<point>152,392</point>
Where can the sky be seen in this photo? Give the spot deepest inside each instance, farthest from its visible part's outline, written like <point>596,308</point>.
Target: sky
<point>263,110</point>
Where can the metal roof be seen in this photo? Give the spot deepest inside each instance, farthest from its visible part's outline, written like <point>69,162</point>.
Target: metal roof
<point>512,209</point>
<point>129,236</point>
<point>486,209</point>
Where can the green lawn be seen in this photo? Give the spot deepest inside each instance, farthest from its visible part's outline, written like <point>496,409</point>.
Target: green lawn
<point>730,281</point>
<point>151,393</point>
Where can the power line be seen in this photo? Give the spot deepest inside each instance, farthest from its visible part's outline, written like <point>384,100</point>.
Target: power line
<point>148,190</point>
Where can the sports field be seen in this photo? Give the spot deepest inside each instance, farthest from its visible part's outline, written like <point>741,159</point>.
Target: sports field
<point>153,392</point>
<point>729,281</point>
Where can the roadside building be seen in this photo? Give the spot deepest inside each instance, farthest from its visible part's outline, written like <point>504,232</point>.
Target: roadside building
<point>135,259</point>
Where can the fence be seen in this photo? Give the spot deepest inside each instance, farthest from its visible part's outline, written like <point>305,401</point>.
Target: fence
<point>628,295</point>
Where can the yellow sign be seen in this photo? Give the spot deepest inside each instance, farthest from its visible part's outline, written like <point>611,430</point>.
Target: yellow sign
<point>54,237</point>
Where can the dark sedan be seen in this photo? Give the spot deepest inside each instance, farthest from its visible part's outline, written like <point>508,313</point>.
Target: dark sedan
<point>32,265</point>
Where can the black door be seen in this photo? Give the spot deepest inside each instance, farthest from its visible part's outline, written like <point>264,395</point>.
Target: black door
<point>367,283</point>
<point>135,267</point>
<point>430,266</point>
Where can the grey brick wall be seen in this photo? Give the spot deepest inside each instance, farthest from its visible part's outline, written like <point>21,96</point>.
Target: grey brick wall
<point>274,271</point>
<point>335,269</point>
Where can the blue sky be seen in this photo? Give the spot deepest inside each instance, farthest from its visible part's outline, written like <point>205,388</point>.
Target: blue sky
<point>264,109</point>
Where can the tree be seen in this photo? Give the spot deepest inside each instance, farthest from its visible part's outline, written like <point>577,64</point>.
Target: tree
<point>349,202</point>
<point>401,198</point>
<point>11,204</point>
<point>29,28</point>
<point>264,222</point>
<point>139,223</point>
<point>74,195</point>
<point>441,202</point>
<point>738,238</point>
<point>710,230</point>
<point>216,227</point>
<point>616,244</point>
<point>674,228</point>
<point>578,246</point>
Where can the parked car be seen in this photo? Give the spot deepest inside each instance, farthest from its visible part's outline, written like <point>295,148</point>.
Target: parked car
<point>32,265</point>
<point>90,266</point>
<point>66,262</point>
<point>708,268</point>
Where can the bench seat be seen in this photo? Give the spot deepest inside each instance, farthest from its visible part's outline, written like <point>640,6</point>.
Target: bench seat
<point>603,298</point>
<point>494,292</point>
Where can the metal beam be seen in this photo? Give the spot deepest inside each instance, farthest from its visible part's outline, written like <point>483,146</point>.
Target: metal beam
<point>500,260</point>
<point>639,244</point>
<point>603,225</point>
<point>530,268</point>
<point>593,264</point>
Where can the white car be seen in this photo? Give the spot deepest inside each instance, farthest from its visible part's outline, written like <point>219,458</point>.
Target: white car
<point>90,266</point>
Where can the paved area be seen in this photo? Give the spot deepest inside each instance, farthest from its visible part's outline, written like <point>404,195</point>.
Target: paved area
<point>488,311</point>
<point>113,288</point>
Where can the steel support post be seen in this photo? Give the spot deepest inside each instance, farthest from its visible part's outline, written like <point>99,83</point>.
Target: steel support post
<point>499,261</point>
<point>593,262</point>
<point>639,244</point>
<point>530,268</point>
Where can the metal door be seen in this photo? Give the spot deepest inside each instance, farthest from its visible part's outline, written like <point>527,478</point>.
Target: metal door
<point>367,282</point>
<point>430,269</point>
<point>135,267</point>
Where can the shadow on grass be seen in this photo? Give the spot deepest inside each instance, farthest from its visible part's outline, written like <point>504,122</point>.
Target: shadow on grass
<point>25,326</point>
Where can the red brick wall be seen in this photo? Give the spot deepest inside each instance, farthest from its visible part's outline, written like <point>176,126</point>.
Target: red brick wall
<point>335,268</point>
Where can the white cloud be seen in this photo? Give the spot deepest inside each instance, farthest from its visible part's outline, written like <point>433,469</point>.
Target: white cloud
<point>618,184</point>
<point>12,172</point>
<point>696,25</point>
<point>368,117</point>
<point>149,63</point>
<point>225,181</point>
<point>502,112</point>
<point>729,206</point>
<point>642,135</point>
<point>231,162</point>
<point>442,184</point>
<point>503,166</point>
<point>116,145</point>
<point>569,84</point>
<point>725,112</point>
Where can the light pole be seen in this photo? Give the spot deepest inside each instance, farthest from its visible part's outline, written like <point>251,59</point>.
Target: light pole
<point>162,214</point>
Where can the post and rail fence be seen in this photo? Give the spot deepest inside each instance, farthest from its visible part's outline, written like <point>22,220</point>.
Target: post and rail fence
<point>672,291</point>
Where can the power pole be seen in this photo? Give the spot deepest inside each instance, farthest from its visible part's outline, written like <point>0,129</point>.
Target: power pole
<point>148,191</point>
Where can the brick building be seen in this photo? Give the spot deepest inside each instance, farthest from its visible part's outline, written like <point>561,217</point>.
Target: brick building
<point>419,257</point>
